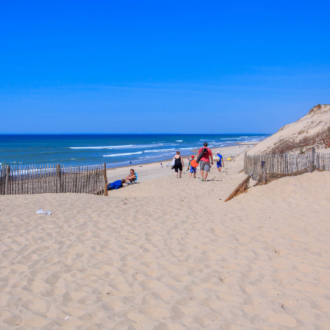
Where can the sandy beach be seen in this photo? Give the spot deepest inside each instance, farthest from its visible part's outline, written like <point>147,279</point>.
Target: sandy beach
<point>98,232</point>
<point>168,253</point>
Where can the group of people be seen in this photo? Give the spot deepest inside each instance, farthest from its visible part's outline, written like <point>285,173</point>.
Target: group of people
<point>204,159</point>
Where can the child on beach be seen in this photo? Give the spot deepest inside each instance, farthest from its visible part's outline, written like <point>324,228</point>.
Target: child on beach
<point>161,165</point>
<point>220,163</point>
<point>192,169</point>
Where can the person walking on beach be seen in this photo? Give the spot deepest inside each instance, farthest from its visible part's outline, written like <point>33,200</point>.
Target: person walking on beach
<point>178,164</point>
<point>192,169</point>
<point>204,154</point>
<point>220,162</point>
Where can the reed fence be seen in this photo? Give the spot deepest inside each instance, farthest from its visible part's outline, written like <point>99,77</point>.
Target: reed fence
<point>51,178</point>
<point>271,166</point>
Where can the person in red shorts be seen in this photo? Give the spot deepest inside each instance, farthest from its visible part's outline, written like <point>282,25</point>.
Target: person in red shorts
<point>205,161</point>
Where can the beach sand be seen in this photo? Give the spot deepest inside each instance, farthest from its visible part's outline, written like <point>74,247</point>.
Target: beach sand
<point>168,253</point>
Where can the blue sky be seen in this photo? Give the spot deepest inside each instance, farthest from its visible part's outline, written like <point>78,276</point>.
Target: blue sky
<point>161,66</point>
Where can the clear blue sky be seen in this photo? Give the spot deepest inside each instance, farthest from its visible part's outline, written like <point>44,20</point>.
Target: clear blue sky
<point>161,66</point>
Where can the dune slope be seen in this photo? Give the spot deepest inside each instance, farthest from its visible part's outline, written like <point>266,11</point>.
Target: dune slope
<point>312,130</point>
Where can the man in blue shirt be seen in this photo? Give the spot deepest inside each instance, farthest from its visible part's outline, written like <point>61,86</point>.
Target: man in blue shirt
<point>116,184</point>
<point>111,186</point>
<point>220,163</point>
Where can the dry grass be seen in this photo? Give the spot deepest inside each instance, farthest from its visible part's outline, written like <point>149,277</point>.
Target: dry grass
<point>321,139</point>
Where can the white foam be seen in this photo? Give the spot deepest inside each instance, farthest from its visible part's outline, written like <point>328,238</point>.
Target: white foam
<point>125,154</point>
<point>159,150</point>
<point>178,140</point>
<point>149,145</point>
<point>105,147</point>
<point>231,138</point>
<point>127,146</point>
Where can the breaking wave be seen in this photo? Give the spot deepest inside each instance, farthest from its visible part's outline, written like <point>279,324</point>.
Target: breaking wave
<point>125,154</point>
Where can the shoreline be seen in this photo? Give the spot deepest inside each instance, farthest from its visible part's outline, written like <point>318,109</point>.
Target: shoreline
<point>115,151</point>
<point>193,151</point>
<point>109,170</point>
<point>149,171</point>
<point>248,143</point>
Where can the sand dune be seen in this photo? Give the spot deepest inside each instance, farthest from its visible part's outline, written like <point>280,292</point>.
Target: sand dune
<point>312,130</point>
<point>169,254</point>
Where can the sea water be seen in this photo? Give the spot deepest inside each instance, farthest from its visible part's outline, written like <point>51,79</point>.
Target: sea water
<point>113,149</point>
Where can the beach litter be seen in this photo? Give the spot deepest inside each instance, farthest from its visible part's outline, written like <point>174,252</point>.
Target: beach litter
<point>41,211</point>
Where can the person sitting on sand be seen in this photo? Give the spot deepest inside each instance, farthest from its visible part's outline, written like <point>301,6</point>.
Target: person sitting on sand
<point>131,177</point>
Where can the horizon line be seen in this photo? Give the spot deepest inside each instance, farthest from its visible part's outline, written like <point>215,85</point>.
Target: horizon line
<point>132,133</point>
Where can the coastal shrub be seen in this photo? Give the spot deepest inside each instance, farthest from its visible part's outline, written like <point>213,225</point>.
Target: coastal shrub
<point>320,139</point>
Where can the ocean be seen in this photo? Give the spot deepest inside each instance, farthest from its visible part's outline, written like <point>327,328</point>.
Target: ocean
<point>113,149</point>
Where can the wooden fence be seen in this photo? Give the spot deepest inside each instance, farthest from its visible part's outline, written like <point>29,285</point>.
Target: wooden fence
<point>279,165</point>
<point>51,178</point>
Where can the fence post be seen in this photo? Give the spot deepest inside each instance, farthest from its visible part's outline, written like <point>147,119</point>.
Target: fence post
<point>286,163</point>
<point>7,179</point>
<point>313,160</point>
<point>105,179</point>
<point>264,173</point>
<point>58,176</point>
